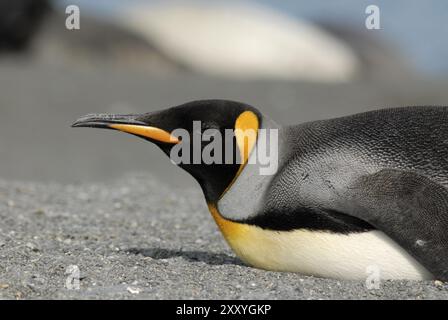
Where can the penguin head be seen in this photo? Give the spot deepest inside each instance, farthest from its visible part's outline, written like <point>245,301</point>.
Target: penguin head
<point>188,132</point>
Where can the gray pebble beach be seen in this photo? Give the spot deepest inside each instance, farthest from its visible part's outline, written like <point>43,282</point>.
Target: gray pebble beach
<point>136,238</point>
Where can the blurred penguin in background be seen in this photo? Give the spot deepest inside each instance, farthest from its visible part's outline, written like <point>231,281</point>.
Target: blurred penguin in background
<point>19,22</point>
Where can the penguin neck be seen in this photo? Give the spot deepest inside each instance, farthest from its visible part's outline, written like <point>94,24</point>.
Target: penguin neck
<point>244,198</point>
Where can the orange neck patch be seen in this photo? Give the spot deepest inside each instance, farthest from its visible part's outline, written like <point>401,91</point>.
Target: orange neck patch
<point>229,229</point>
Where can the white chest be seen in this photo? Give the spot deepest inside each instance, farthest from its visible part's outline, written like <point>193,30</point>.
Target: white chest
<point>321,254</point>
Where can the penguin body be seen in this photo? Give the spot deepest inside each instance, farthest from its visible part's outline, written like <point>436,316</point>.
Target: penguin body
<point>349,194</point>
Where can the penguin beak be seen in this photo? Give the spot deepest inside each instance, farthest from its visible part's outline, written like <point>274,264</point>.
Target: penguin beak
<point>125,123</point>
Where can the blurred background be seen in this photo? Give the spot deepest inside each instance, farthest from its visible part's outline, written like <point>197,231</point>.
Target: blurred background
<point>296,61</point>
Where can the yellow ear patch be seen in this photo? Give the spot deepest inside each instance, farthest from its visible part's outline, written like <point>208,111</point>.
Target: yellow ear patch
<point>148,132</point>
<point>246,130</point>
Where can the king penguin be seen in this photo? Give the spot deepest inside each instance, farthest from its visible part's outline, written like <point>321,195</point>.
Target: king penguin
<point>362,192</point>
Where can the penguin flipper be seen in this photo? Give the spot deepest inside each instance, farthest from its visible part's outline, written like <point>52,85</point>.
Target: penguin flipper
<point>410,208</point>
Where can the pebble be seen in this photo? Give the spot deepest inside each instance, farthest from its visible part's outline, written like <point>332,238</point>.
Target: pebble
<point>133,290</point>
<point>32,246</point>
<point>438,283</point>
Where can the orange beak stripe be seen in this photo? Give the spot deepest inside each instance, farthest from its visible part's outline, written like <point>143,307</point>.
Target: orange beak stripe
<point>148,132</point>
